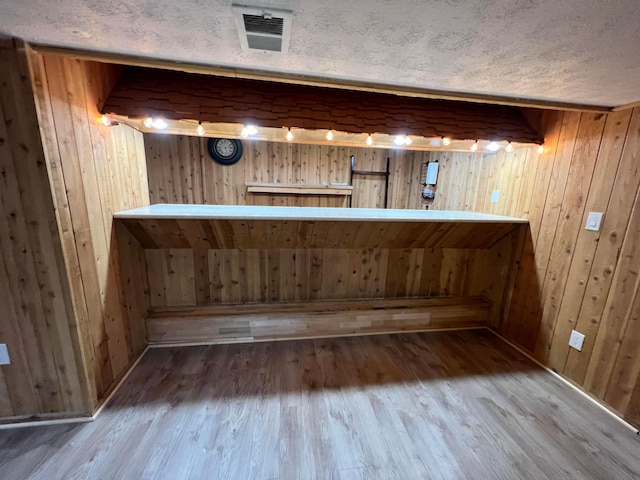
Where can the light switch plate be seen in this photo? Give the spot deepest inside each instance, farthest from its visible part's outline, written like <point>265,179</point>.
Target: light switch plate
<point>576,340</point>
<point>495,196</point>
<point>4,354</point>
<point>593,221</point>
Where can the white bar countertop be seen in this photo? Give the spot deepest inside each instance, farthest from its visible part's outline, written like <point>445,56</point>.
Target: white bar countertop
<point>241,212</point>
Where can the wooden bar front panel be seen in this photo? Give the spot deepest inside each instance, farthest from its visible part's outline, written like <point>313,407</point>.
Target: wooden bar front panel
<point>156,233</point>
<point>185,277</point>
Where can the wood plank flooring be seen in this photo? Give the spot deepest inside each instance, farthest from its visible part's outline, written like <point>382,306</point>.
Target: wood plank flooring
<point>411,406</point>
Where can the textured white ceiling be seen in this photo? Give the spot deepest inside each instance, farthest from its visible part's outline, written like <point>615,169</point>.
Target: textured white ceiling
<point>579,51</point>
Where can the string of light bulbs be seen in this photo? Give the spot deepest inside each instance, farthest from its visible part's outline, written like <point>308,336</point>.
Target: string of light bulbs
<point>401,140</point>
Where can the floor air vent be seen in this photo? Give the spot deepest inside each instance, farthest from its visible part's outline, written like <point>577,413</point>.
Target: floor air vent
<point>266,29</point>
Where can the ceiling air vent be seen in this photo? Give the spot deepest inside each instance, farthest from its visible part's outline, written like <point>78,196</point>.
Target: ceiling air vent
<point>260,28</point>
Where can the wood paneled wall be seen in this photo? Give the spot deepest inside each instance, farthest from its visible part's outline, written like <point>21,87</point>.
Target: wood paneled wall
<point>94,171</point>
<point>466,181</point>
<point>37,322</point>
<point>184,277</point>
<point>181,171</point>
<point>572,278</point>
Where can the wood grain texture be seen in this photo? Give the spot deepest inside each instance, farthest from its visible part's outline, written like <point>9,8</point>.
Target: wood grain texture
<point>163,233</point>
<point>46,376</point>
<point>94,171</point>
<point>176,276</point>
<point>466,181</point>
<point>258,322</point>
<point>298,189</point>
<point>572,278</point>
<point>181,171</point>
<point>436,405</point>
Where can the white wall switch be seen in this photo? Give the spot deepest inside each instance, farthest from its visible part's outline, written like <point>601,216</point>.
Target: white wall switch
<point>593,221</point>
<point>432,173</point>
<point>4,354</point>
<point>576,340</point>
<point>495,196</point>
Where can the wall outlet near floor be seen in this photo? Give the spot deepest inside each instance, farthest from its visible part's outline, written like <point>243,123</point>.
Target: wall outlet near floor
<point>495,196</point>
<point>576,340</point>
<point>4,354</point>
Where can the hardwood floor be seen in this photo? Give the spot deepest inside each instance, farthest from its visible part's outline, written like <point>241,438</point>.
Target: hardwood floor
<point>412,406</point>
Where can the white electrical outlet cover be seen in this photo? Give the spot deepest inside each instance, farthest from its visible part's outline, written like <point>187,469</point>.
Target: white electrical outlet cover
<point>432,173</point>
<point>593,221</point>
<point>495,196</point>
<point>576,340</point>
<point>4,354</point>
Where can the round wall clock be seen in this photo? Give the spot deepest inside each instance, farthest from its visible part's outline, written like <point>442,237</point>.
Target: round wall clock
<point>225,151</point>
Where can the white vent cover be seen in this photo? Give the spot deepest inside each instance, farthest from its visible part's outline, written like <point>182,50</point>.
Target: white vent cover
<point>260,28</point>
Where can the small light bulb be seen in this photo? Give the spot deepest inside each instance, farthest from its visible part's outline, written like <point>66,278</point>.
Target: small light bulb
<point>289,135</point>
<point>200,130</point>
<point>407,140</point>
<point>369,140</point>
<point>474,147</point>
<point>251,130</point>
<point>399,140</point>
<point>541,149</point>
<point>106,121</point>
<point>446,141</point>
<point>493,146</point>
<point>148,122</point>
<point>159,123</point>
<point>508,148</point>
<point>329,135</point>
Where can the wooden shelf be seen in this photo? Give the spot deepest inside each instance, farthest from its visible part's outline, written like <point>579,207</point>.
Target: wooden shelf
<point>298,188</point>
<point>368,172</point>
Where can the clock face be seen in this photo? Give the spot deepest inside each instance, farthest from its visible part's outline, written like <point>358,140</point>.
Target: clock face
<point>225,148</point>
<point>225,151</point>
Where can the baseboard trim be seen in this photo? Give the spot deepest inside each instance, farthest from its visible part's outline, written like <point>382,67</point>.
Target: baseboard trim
<point>115,389</point>
<point>42,423</point>
<point>568,382</point>
<point>83,419</point>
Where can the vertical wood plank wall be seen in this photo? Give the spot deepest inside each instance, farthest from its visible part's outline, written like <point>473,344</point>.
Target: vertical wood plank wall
<point>184,277</point>
<point>94,171</point>
<point>572,278</point>
<point>37,322</point>
<point>181,171</point>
